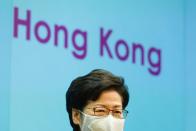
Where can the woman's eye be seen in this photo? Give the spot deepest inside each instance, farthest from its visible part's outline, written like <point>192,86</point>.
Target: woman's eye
<point>100,110</point>
<point>118,112</point>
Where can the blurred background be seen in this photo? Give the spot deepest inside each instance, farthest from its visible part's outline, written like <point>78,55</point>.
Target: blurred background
<point>37,64</point>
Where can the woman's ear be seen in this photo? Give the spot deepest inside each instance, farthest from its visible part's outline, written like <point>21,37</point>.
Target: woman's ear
<point>76,116</point>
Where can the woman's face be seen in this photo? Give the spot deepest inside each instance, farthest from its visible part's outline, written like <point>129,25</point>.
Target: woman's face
<point>108,99</point>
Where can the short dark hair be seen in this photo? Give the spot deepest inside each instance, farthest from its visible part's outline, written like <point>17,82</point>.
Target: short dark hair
<point>90,87</point>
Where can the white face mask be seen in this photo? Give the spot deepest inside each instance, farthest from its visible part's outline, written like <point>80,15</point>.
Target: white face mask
<point>96,123</point>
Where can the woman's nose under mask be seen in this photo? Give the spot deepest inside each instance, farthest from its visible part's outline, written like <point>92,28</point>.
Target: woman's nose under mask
<point>95,123</point>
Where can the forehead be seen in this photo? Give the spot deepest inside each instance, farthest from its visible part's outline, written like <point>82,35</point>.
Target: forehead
<point>109,98</point>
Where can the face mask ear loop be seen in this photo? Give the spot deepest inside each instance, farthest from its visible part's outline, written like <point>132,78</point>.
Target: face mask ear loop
<point>82,115</point>
<point>83,120</point>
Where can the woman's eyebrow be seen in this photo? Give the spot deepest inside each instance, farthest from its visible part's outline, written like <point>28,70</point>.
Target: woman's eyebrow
<point>100,105</point>
<point>117,106</point>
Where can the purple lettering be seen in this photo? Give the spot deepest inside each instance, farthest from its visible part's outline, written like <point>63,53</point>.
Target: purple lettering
<point>141,48</point>
<point>48,33</point>
<point>63,29</point>
<point>82,48</point>
<point>103,42</point>
<point>155,68</point>
<point>25,23</point>
<point>120,49</point>
<point>117,46</point>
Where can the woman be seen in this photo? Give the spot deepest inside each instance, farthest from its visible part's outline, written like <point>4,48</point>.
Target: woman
<point>97,102</point>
